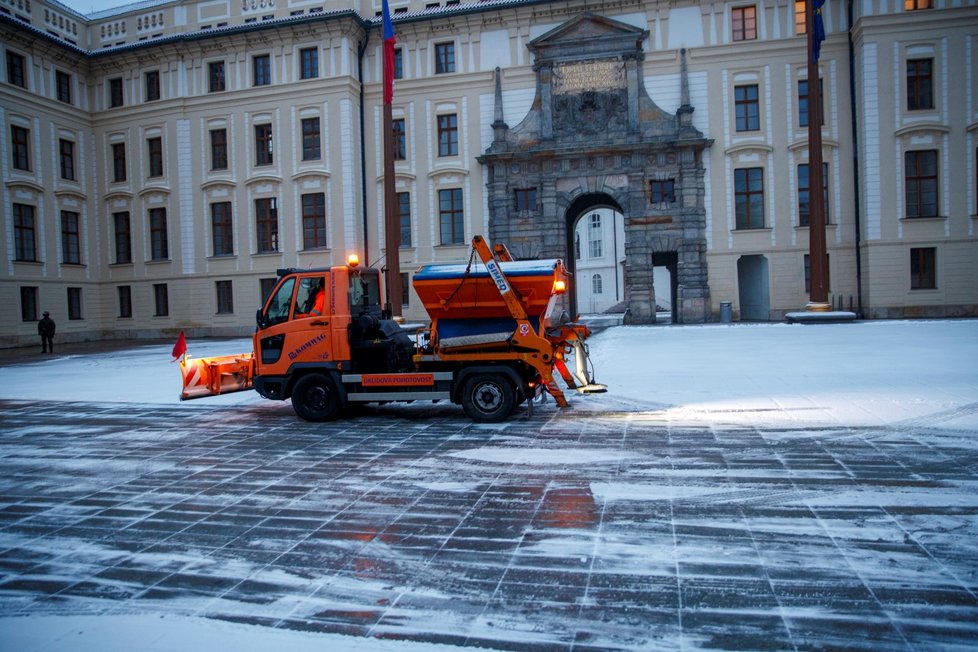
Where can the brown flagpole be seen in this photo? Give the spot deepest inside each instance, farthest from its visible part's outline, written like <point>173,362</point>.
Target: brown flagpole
<point>818,298</point>
<point>392,219</point>
<point>392,225</point>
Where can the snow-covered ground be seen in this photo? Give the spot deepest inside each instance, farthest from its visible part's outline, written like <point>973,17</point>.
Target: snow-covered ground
<point>863,373</point>
<point>771,375</point>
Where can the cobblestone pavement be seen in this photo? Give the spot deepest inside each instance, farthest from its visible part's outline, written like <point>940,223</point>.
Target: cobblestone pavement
<point>566,530</point>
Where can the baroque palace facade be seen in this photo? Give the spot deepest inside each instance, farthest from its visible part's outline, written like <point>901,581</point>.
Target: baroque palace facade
<point>161,161</point>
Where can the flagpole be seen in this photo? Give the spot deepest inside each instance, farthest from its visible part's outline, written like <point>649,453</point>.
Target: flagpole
<point>392,225</point>
<point>817,254</point>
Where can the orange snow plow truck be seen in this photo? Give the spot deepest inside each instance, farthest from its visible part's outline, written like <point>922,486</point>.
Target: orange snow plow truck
<point>324,340</point>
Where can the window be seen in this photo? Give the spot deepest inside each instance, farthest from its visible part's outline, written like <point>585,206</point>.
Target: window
<point>525,200</point>
<point>63,84</point>
<point>595,240</point>
<point>921,183</point>
<point>159,244</point>
<point>28,303</point>
<point>221,228</point>
<point>154,150</point>
<point>749,198</point>
<point>266,219</point>
<point>225,298</point>
<point>74,303</point>
<point>116,97</point>
<point>25,236</point>
<point>123,237</point>
<point>161,300</point>
<point>152,85</point>
<point>803,102</point>
<point>118,162</point>
<point>398,64</point>
<point>744,23</point>
<point>448,135</point>
<point>125,301</point>
<point>261,67</point>
<point>800,27</point>
<point>444,58</point>
<point>219,149</point>
<point>450,216</point>
<point>662,191</point>
<point>404,213</point>
<point>66,157</point>
<point>309,60</point>
<point>915,5</point>
<point>215,77</point>
<point>804,187</point>
<point>597,285</point>
<point>405,289</point>
<point>923,268</point>
<point>577,245</point>
<point>314,221</point>
<point>70,238</point>
<point>265,287</point>
<point>16,69</point>
<point>20,148</point>
<point>311,139</point>
<point>263,144</point>
<point>747,108</point>
<point>400,139</point>
<point>920,84</point>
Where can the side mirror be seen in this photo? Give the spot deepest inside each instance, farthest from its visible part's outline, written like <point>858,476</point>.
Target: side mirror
<point>260,319</point>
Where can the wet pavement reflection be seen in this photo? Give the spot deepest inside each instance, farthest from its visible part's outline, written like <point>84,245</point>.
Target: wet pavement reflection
<point>561,531</point>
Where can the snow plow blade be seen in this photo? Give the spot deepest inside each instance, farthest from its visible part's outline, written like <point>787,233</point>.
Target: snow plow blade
<point>218,375</point>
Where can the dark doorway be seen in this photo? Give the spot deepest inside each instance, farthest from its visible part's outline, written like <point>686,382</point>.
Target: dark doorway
<point>755,292</point>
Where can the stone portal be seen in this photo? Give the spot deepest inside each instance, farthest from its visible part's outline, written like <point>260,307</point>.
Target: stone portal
<point>593,132</point>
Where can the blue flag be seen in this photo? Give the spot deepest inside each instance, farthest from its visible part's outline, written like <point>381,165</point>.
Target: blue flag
<point>818,29</point>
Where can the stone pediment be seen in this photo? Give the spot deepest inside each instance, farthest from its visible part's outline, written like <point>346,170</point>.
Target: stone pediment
<point>588,37</point>
<point>591,93</point>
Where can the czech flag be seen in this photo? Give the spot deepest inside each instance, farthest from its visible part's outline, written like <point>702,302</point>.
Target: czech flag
<point>818,28</point>
<point>389,41</point>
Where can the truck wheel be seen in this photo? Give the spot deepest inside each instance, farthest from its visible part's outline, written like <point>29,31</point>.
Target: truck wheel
<point>314,398</point>
<point>488,398</point>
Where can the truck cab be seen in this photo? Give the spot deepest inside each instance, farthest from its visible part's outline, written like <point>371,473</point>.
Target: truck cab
<point>325,319</point>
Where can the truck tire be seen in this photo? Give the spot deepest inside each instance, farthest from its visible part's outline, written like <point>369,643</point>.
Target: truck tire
<point>314,398</point>
<point>488,398</point>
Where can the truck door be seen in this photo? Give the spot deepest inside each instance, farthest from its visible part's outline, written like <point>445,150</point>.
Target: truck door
<point>293,327</point>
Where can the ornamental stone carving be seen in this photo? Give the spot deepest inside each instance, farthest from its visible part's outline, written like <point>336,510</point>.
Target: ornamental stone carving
<point>593,137</point>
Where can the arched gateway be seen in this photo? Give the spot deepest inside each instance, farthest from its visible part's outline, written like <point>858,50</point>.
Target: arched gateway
<point>593,131</point>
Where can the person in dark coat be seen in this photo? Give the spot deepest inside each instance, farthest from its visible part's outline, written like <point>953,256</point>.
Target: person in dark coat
<point>45,328</point>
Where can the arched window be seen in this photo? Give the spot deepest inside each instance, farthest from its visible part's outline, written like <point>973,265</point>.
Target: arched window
<point>596,284</point>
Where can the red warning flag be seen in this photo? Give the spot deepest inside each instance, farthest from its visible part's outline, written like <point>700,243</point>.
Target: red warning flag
<point>180,347</point>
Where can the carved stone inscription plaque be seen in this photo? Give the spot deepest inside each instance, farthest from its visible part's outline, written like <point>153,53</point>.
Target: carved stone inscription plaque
<point>599,75</point>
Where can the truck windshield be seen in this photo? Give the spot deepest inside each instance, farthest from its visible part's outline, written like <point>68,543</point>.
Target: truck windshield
<point>280,302</point>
